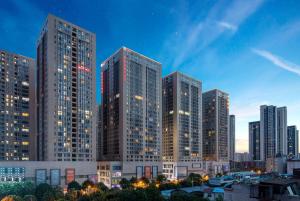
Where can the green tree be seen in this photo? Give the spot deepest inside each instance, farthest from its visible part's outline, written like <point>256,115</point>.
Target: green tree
<point>12,198</point>
<point>48,196</point>
<point>125,184</point>
<point>145,180</point>
<point>72,195</point>
<point>74,185</point>
<point>29,198</point>
<point>42,189</point>
<point>161,179</point>
<point>179,196</point>
<point>152,193</point>
<point>87,183</point>
<point>194,179</point>
<point>102,187</point>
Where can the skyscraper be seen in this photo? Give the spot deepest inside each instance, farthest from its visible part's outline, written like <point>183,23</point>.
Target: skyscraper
<point>255,141</point>
<point>131,108</point>
<point>282,130</point>
<point>292,141</point>
<point>66,92</point>
<point>17,131</point>
<point>182,124</point>
<point>231,137</point>
<point>268,130</point>
<point>215,108</point>
<point>99,132</point>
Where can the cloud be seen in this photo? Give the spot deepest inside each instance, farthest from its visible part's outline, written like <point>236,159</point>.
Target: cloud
<point>228,26</point>
<point>193,34</point>
<point>278,61</point>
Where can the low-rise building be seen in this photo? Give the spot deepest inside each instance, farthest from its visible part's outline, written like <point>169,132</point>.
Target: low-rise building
<point>56,173</point>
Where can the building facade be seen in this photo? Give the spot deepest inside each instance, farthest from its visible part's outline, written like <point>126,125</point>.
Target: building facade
<point>282,130</point>
<point>255,141</point>
<point>66,107</point>
<point>268,130</point>
<point>232,137</point>
<point>99,133</point>
<point>131,112</point>
<point>17,112</point>
<point>292,141</point>
<point>215,110</point>
<point>55,173</point>
<point>182,125</point>
<point>242,157</point>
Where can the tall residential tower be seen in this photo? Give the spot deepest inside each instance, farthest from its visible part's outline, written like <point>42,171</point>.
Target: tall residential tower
<point>292,141</point>
<point>17,113</point>
<point>268,131</point>
<point>66,92</point>
<point>255,141</point>
<point>131,113</point>
<point>231,137</point>
<point>215,108</point>
<point>282,130</point>
<point>182,125</point>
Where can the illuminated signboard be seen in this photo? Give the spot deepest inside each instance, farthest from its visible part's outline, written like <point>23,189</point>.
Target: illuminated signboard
<point>154,171</point>
<point>70,175</point>
<point>148,172</point>
<point>40,176</point>
<point>12,174</point>
<point>55,177</point>
<point>139,172</point>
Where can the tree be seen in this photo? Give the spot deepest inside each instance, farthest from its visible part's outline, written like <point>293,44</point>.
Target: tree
<point>12,198</point>
<point>194,179</point>
<point>102,187</point>
<point>145,180</point>
<point>29,198</point>
<point>161,179</point>
<point>48,196</point>
<point>74,185</point>
<point>87,183</point>
<point>179,195</point>
<point>72,195</point>
<point>152,193</point>
<point>125,184</point>
<point>42,189</point>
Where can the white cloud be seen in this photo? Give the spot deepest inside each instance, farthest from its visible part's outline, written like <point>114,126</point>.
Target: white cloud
<point>278,61</point>
<point>193,34</point>
<point>228,26</point>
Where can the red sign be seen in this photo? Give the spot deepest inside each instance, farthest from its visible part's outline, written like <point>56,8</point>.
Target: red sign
<point>70,175</point>
<point>148,172</point>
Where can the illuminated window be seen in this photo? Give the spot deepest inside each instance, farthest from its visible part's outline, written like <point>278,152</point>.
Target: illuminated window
<point>25,114</point>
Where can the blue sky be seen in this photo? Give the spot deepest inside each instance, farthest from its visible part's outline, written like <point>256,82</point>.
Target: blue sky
<point>248,48</point>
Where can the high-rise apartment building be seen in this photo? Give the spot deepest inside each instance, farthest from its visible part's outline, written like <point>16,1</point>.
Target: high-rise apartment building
<point>17,102</point>
<point>131,112</point>
<point>268,130</point>
<point>292,141</point>
<point>182,125</point>
<point>215,108</point>
<point>282,130</point>
<point>99,133</point>
<point>231,137</point>
<point>255,141</point>
<point>66,106</point>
